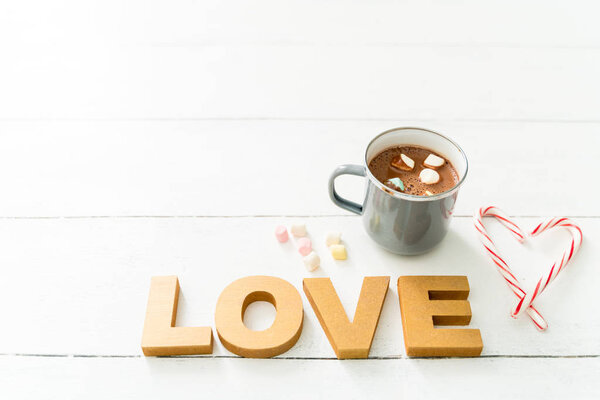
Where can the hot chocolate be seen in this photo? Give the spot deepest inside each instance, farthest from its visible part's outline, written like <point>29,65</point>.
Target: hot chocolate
<point>414,170</point>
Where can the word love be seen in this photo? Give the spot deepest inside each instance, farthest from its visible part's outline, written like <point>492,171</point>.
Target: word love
<point>425,301</point>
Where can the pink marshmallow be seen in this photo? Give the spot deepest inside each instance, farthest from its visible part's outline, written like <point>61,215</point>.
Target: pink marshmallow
<point>281,234</point>
<point>304,246</point>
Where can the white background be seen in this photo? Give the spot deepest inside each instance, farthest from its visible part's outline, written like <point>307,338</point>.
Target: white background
<point>142,138</point>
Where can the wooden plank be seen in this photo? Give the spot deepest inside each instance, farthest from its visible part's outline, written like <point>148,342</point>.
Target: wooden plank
<point>515,23</point>
<point>306,82</point>
<point>80,286</point>
<point>273,167</point>
<point>101,378</point>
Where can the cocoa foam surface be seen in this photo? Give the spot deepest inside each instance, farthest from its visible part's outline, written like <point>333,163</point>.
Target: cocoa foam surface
<point>381,167</point>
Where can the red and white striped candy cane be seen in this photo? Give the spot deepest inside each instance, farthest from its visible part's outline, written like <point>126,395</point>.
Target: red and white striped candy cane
<point>526,299</point>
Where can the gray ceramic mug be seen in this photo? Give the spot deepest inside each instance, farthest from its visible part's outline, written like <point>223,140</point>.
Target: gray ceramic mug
<point>403,223</point>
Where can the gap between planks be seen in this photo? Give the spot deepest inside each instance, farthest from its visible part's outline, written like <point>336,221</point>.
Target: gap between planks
<point>290,358</point>
<point>245,216</point>
<point>302,119</point>
<point>341,44</point>
<point>371,44</point>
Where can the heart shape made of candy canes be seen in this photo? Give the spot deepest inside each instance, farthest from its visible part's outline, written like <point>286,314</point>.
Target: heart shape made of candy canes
<point>525,303</point>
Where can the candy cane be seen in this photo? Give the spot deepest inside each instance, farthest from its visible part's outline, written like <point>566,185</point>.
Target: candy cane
<point>526,299</point>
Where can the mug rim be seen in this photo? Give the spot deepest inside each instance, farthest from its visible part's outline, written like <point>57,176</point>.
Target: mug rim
<point>413,197</point>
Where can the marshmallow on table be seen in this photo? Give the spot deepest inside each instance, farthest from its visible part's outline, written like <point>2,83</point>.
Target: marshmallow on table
<point>433,161</point>
<point>298,230</point>
<point>304,246</point>
<point>403,162</point>
<point>429,176</point>
<point>312,261</point>
<point>281,234</point>
<point>338,251</point>
<point>333,238</point>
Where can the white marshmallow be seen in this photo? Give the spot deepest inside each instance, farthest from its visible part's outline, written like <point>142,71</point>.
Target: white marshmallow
<point>433,161</point>
<point>298,230</point>
<point>408,161</point>
<point>312,261</point>
<point>333,238</point>
<point>429,176</point>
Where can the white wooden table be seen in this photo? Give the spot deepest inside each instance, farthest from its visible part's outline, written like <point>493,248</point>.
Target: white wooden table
<point>151,138</point>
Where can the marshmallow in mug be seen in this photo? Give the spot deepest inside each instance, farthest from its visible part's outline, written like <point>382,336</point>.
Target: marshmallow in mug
<point>429,176</point>
<point>433,161</point>
<point>396,183</point>
<point>403,162</point>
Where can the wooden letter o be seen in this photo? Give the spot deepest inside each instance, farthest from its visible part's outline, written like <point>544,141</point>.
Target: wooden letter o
<point>279,337</point>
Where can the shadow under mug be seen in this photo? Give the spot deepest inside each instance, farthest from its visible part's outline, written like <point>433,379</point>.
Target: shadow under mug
<point>399,222</point>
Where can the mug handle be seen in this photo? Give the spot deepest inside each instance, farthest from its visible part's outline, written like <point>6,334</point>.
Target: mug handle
<point>346,169</point>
